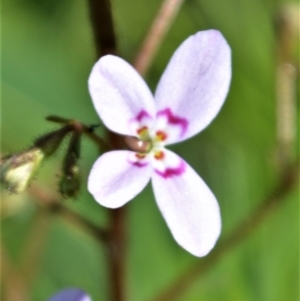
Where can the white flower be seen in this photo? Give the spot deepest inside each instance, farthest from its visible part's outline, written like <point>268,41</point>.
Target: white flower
<point>188,97</point>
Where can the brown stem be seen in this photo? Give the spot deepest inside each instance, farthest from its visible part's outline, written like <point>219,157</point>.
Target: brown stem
<point>102,22</point>
<point>78,126</point>
<point>34,248</point>
<point>156,34</point>
<point>13,284</point>
<point>103,29</point>
<point>117,239</point>
<point>102,145</point>
<point>286,87</point>
<point>288,181</point>
<point>117,253</point>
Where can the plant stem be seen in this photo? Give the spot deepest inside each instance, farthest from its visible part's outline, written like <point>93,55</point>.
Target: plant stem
<point>35,246</point>
<point>103,29</point>
<point>286,78</point>
<point>156,34</point>
<point>105,42</point>
<point>117,239</point>
<point>49,202</point>
<point>13,284</point>
<point>117,253</point>
<point>81,127</point>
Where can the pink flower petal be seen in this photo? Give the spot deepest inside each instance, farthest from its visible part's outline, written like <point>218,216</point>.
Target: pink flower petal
<point>188,206</point>
<point>174,127</point>
<point>196,81</point>
<point>120,95</point>
<point>167,164</point>
<point>71,294</point>
<point>116,178</point>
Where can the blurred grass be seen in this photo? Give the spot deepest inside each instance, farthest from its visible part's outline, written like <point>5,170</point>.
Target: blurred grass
<point>47,54</point>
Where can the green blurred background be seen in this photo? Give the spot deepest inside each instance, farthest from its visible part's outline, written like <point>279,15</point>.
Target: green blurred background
<point>47,54</point>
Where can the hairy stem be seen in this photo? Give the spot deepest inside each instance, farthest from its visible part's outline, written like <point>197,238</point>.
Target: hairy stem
<point>81,127</point>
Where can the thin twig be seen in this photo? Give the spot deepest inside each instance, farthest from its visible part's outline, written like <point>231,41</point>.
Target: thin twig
<point>102,145</point>
<point>14,288</point>
<point>288,182</point>
<point>35,247</point>
<point>156,34</point>
<point>81,127</point>
<point>287,32</point>
<point>50,203</point>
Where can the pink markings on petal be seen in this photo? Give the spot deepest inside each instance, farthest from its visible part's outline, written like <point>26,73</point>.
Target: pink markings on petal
<point>140,124</point>
<point>139,163</point>
<point>172,171</point>
<point>143,114</point>
<point>139,160</point>
<point>174,120</point>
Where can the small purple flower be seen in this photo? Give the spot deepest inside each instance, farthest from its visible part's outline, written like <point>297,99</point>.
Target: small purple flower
<point>189,95</point>
<point>71,294</point>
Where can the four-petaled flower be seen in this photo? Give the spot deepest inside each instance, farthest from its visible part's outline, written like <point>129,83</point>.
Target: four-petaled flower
<point>188,97</point>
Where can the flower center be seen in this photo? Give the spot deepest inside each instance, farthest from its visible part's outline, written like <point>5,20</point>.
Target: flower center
<point>160,136</point>
<point>150,137</point>
<point>146,143</point>
<point>138,145</point>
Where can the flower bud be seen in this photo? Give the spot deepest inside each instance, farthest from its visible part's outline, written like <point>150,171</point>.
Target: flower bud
<point>70,182</point>
<point>17,170</point>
